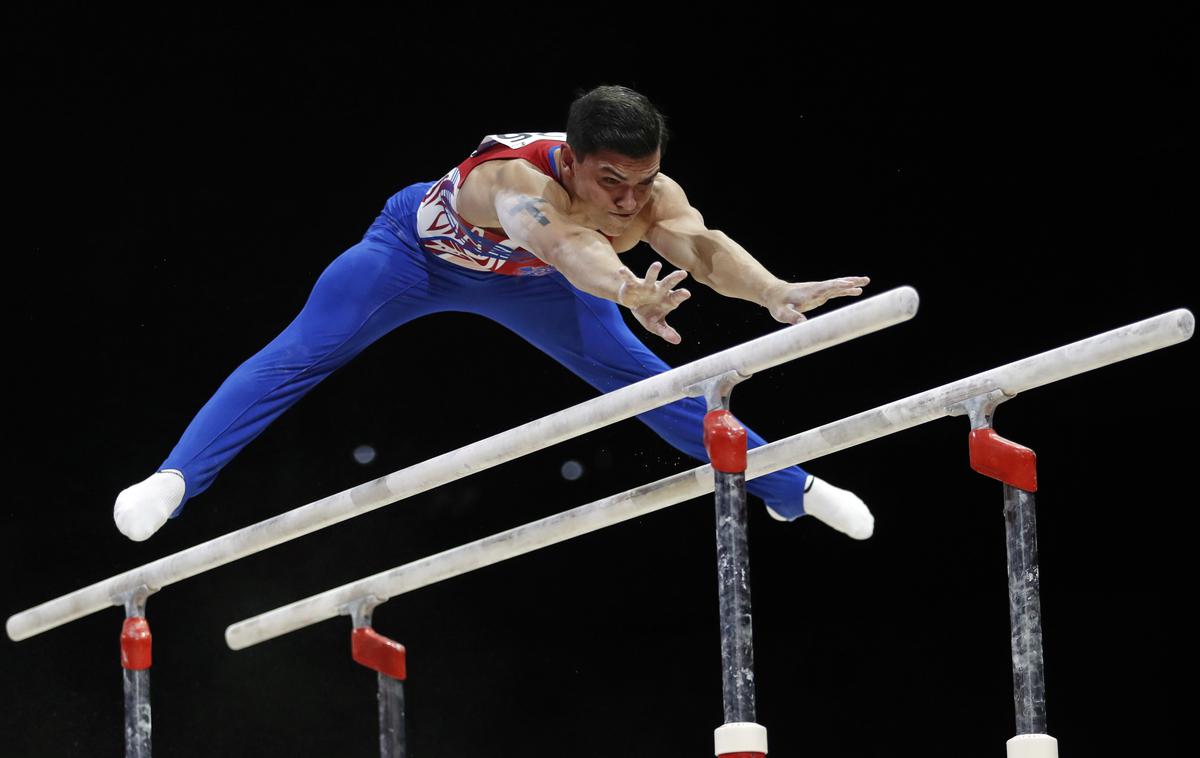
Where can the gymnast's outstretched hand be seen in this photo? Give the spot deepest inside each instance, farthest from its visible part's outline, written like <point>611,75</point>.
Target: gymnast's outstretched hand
<point>143,508</point>
<point>787,302</point>
<point>651,301</point>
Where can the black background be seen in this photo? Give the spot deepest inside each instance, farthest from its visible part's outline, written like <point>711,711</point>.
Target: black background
<point>178,180</point>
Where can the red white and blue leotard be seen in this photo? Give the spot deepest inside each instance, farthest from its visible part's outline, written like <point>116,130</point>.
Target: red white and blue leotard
<point>446,234</point>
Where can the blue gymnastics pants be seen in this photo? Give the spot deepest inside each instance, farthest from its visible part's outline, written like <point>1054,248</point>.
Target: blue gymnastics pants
<point>387,280</point>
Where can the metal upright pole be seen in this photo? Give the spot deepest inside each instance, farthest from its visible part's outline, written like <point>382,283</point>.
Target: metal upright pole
<point>1016,467</point>
<point>388,658</point>
<point>1025,610</point>
<point>733,573</point>
<point>725,441</point>
<point>135,665</point>
<point>391,717</point>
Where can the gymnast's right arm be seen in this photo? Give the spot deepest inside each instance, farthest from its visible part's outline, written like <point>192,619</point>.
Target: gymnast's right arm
<point>532,209</point>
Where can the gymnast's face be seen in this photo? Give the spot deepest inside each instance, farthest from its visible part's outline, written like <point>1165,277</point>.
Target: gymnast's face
<point>613,188</point>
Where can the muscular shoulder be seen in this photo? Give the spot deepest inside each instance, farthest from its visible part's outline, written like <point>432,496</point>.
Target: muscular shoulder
<point>487,181</point>
<point>669,204</point>
<point>666,197</point>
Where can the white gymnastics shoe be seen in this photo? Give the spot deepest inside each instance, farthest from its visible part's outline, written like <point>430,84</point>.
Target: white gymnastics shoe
<point>836,507</point>
<point>142,509</point>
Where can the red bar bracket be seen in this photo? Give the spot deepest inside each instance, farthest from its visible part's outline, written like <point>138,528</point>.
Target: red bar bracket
<point>135,644</point>
<point>725,441</point>
<point>743,755</point>
<point>373,650</point>
<point>994,456</point>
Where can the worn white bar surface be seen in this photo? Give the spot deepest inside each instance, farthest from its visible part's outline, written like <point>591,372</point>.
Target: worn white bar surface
<point>1051,366</point>
<point>786,344</point>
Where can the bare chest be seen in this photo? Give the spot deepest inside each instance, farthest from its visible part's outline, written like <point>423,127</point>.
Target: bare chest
<point>474,205</point>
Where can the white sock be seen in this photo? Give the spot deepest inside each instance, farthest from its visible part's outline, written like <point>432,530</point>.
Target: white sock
<point>836,507</point>
<point>142,509</point>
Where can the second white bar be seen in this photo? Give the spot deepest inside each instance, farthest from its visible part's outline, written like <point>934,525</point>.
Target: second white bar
<point>1010,379</point>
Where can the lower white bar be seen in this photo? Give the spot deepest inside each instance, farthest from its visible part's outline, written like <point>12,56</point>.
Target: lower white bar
<point>1075,358</point>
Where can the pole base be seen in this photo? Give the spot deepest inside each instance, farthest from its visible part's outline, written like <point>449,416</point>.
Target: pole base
<point>740,739</point>
<point>1033,746</point>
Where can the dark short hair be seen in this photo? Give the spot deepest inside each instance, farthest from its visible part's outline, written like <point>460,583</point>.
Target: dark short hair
<point>615,118</point>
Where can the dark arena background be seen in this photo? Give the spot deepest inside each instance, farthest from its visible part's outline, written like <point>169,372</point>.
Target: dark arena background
<point>178,179</point>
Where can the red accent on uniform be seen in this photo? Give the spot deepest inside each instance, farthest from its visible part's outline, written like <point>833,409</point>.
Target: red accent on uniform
<point>742,755</point>
<point>994,456</point>
<point>135,644</point>
<point>538,153</point>
<point>373,650</point>
<point>725,441</point>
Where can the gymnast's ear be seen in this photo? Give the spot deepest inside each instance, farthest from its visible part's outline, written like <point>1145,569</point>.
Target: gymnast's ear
<point>568,157</point>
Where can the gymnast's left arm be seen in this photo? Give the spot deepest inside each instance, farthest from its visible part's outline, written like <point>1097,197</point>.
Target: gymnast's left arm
<point>677,232</point>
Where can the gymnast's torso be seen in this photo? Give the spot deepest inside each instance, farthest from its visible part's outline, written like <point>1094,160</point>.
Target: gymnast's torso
<point>456,222</point>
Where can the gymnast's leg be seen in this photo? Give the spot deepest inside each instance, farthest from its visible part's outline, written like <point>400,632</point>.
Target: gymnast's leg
<point>371,288</point>
<point>588,335</point>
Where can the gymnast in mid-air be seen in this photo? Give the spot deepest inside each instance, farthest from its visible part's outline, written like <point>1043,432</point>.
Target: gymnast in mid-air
<point>527,232</point>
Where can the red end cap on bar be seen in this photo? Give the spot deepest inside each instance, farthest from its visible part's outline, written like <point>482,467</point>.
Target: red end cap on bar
<point>725,441</point>
<point>135,644</point>
<point>373,650</point>
<point>994,456</point>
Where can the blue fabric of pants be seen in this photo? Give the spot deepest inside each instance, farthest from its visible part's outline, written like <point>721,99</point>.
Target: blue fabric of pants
<point>386,280</point>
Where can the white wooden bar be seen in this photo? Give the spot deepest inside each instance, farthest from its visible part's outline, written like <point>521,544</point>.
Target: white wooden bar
<point>1051,366</point>
<point>785,344</point>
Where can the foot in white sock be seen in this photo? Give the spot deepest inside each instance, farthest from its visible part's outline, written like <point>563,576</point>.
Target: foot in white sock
<point>836,507</point>
<point>142,509</point>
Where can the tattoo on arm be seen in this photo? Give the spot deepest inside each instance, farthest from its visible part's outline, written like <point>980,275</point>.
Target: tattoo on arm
<point>530,206</point>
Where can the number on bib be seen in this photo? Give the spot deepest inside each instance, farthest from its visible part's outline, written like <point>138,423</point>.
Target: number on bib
<point>518,139</point>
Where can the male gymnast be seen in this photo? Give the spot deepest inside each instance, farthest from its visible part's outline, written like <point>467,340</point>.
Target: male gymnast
<point>526,231</point>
